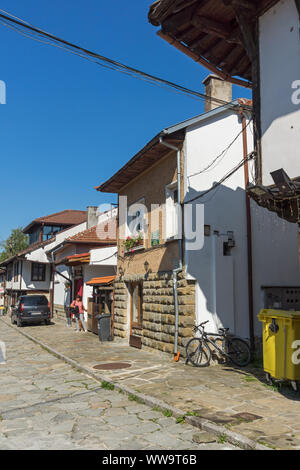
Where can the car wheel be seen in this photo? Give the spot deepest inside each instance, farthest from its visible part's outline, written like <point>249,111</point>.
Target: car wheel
<point>47,322</point>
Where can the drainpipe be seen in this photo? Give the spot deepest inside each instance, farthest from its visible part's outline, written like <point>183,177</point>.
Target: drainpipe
<point>249,233</point>
<point>179,269</point>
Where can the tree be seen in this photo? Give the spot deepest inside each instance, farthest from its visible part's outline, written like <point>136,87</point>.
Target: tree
<point>17,241</point>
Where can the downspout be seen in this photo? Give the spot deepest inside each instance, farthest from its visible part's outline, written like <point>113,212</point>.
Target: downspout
<point>249,233</point>
<point>21,274</point>
<point>176,271</point>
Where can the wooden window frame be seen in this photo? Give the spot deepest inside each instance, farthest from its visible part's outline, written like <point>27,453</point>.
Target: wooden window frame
<point>39,277</point>
<point>133,324</point>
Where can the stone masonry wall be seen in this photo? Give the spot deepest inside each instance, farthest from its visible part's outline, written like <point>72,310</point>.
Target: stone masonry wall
<point>158,310</point>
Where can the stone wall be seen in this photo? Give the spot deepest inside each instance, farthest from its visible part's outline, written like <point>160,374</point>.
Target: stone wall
<point>59,312</point>
<point>158,328</point>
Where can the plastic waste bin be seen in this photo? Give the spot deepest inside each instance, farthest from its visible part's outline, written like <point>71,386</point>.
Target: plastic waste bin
<point>281,343</point>
<point>104,329</point>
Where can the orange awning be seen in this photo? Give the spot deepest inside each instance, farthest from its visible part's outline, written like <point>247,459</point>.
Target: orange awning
<point>97,281</point>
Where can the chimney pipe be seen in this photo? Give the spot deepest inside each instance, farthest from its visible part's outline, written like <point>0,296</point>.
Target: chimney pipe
<point>92,216</point>
<point>215,87</point>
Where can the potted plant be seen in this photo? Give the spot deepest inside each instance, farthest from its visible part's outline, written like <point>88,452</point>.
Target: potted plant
<point>132,243</point>
<point>67,285</point>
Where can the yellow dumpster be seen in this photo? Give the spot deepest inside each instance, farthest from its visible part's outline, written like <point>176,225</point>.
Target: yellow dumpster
<point>281,343</point>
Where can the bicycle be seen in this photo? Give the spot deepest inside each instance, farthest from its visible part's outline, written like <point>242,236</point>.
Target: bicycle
<point>199,349</point>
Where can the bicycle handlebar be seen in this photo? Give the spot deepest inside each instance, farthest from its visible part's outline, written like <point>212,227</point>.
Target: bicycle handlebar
<point>201,325</point>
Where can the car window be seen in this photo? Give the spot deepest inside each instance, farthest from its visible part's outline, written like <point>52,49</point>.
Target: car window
<point>35,300</point>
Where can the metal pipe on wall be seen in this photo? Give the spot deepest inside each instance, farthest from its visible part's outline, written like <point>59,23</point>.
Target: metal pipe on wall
<point>179,269</point>
<point>249,232</point>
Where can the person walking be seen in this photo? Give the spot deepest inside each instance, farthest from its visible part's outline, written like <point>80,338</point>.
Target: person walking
<point>78,305</point>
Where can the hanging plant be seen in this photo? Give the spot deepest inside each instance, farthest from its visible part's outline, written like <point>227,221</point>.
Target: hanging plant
<point>133,242</point>
<point>67,285</point>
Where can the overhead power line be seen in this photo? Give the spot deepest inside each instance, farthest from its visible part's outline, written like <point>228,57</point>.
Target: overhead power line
<point>37,34</point>
<point>224,178</point>
<point>220,156</point>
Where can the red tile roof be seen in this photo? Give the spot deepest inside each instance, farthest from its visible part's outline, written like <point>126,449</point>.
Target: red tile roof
<point>101,234</point>
<point>66,218</point>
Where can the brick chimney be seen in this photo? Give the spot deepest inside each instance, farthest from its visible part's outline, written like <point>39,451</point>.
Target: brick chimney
<point>215,87</point>
<point>92,216</point>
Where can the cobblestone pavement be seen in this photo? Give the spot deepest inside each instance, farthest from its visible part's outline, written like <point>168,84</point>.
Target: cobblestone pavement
<point>47,404</point>
<point>218,393</point>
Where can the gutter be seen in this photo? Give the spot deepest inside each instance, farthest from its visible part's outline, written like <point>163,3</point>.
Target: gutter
<point>176,271</point>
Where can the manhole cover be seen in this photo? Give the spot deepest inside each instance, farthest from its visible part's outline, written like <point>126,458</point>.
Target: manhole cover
<point>247,416</point>
<point>112,366</point>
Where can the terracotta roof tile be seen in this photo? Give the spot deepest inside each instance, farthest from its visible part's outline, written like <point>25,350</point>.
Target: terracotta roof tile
<point>66,217</point>
<point>104,233</point>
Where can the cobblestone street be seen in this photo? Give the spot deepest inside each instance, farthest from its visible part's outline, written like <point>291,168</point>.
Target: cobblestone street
<point>46,404</point>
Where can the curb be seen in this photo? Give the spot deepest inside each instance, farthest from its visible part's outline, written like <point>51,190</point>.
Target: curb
<point>205,425</point>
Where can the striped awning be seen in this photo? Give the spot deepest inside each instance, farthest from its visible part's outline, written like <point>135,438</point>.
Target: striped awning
<point>98,281</point>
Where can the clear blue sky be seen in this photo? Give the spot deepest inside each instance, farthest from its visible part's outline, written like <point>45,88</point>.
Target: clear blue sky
<point>68,124</point>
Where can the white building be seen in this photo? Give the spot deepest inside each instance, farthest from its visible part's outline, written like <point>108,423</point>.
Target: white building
<point>256,45</point>
<point>30,271</point>
<point>84,261</point>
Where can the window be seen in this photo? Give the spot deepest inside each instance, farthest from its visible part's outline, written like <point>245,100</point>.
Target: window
<point>34,300</point>
<point>34,236</point>
<point>9,272</point>
<point>172,211</point>
<point>16,271</point>
<point>38,272</point>
<point>50,231</point>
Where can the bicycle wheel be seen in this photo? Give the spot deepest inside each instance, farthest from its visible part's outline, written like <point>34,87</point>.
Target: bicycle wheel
<point>198,352</point>
<point>239,352</point>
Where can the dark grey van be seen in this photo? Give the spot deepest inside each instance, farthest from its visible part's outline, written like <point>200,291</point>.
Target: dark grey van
<point>31,309</point>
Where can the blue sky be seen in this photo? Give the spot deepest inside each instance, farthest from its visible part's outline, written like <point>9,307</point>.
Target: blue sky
<point>69,124</point>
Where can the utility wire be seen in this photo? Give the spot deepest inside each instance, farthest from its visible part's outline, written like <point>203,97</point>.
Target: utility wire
<point>228,175</point>
<point>221,155</point>
<point>38,34</point>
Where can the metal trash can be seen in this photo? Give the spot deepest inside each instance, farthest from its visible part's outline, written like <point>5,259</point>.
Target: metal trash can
<point>281,344</point>
<point>104,327</point>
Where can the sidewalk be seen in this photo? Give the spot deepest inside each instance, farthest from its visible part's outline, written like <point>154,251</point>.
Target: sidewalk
<point>238,399</point>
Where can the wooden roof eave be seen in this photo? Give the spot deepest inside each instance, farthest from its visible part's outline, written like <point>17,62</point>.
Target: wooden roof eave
<point>143,160</point>
<point>197,27</point>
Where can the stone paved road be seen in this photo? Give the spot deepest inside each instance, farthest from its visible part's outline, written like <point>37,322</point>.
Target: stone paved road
<point>46,404</point>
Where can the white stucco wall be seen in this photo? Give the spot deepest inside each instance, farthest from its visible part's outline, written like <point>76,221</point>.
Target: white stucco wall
<point>61,294</point>
<point>222,285</point>
<point>28,284</point>
<point>104,256</point>
<point>275,255</point>
<point>279,68</point>
<point>222,281</point>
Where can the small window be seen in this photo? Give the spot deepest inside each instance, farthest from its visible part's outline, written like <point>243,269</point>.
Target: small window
<point>172,211</point>
<point>38,272</point>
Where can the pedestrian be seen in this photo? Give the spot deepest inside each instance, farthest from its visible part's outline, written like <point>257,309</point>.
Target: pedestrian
<point>77,305</point>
